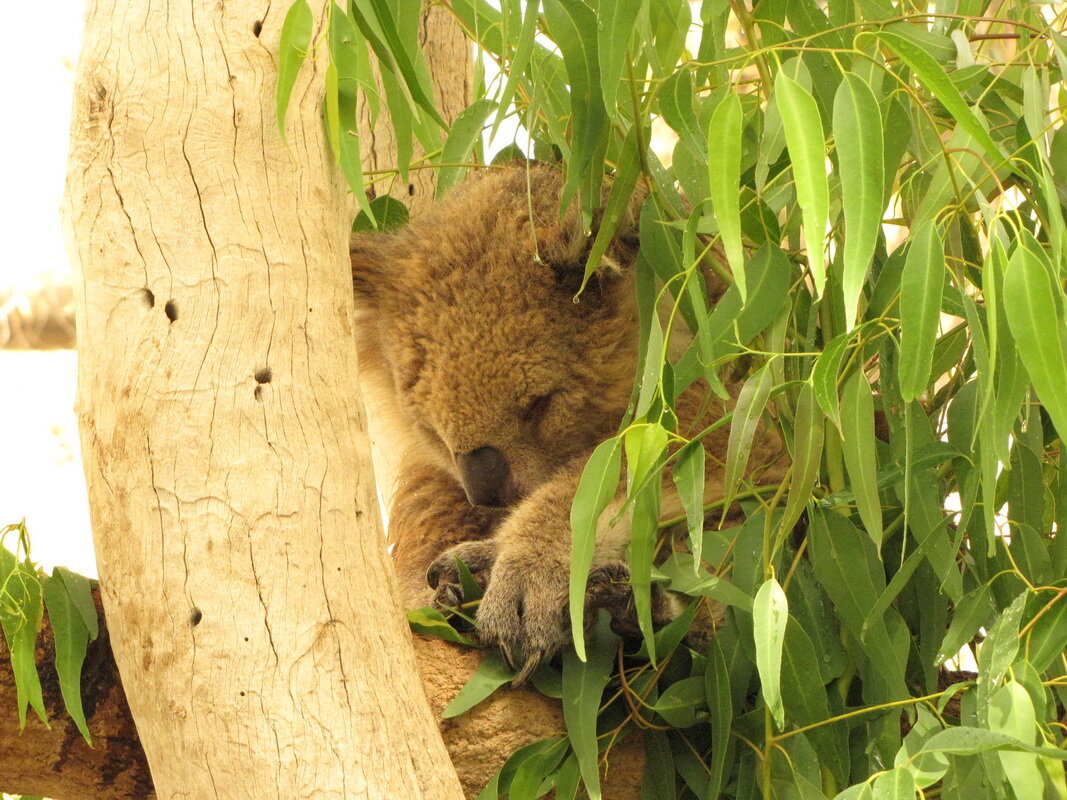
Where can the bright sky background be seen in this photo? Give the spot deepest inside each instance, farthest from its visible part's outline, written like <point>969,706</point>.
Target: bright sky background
<point>40,468</point>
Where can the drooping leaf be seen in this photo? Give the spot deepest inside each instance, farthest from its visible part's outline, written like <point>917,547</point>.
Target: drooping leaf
<point>921,285</point>
<point>491,674</point>
<point>466,130</point>
<point>724,179</point>
<point>583,685</point>
<point>598,484</point>
<point>688,475</point>
<point>807,149</point>
<point>747,412</point>
<point>71,641</point>
<point>932,74</point>
<point>292,48</point>
<point>1036,321</point>
<point>858,446</point>
<point>770,613</point>
<point>858,139</point>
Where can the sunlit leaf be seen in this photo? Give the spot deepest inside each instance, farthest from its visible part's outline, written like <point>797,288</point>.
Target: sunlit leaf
<point>599,482</point>
<point>770,613</point>
<point>724,178</point>
<point>292,48</point>
<point>807,149</point>
<point>921,284</point>
<point>858,139</point>
<point>858,446</point>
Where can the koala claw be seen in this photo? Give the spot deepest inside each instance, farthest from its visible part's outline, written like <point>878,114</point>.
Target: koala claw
<point>443,575</point>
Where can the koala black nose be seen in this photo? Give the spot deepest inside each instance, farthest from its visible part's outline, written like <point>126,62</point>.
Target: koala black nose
<point>486,476</point>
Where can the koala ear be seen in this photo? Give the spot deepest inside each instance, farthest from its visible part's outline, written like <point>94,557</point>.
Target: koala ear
<point>565,246</point>
<point>370,257</point>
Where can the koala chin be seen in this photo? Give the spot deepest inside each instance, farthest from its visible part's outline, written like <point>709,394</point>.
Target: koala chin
<point>493,384</point>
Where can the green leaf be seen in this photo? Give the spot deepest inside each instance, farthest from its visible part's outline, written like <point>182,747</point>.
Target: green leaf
<point>770,613</point>
<point>806,141</point>
<point>682,703</point>
<point>519,61</point>
<point>1011,712</point>
<point>292,48</point>
<point>931,74</point>
<point>491,674</point>
<point>71,640</point>
<point>971,613</point>
<point>724,180</point>
<point>1036,320</point>
<point>466,130</point>
<point>616,22</point>
<point>858,139</point>
<point>658,779</point>
<point>807,457</point>
<point>688,475</point>
<point>896,784</point>
<point>860,451</point>
<point>720,705</point>
<point>431,622</point>
<point>79,589</point>
<point>847,565</point>
<point>921,285</point>
<point>389,214</point>
<point>20,618</point>
<point>619,200</point>
<point>747,412</point>
<point>583,686</point>
<point>968,741</point>
<point>596,488</point>
<point>570,23</point>
<point>824,377</point>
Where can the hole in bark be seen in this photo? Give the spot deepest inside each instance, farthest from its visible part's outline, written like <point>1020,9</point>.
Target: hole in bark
<point>170,308</point>
<point>257,28</point>
<point>258,393</point>
<point>195,617</point>
<point>411,190</point>
<point>242,694</point>
<point>263,375</point>
<point>148,297</point>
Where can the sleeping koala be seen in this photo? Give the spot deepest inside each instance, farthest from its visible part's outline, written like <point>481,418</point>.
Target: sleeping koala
<point>494,385</point>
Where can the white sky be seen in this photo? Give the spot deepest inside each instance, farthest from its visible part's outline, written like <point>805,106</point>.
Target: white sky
<point>40,466</point>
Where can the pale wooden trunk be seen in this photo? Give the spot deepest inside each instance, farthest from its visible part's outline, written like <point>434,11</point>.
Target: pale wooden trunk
<point>253,615</point>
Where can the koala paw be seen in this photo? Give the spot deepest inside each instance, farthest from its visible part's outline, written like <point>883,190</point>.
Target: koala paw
<point>525,608</point>
<point>443,574</point>
<point>524,611</point>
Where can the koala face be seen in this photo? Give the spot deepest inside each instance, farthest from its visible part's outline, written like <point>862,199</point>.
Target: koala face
<point>500,372</point>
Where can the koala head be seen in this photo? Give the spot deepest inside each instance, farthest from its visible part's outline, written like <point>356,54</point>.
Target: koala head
<point>500,371</point>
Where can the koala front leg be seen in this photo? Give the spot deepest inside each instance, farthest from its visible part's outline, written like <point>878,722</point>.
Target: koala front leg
<point>429,514</point>
<point>525,608</point>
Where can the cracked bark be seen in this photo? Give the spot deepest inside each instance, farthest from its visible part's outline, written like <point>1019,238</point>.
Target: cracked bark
<point>252,613</point>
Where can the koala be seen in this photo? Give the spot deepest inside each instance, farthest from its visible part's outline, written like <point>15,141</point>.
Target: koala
<point>494,383</point>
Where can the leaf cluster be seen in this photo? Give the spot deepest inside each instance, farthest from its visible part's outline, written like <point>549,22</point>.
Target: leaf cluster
<point>880,186</point>
<point>26,594</point>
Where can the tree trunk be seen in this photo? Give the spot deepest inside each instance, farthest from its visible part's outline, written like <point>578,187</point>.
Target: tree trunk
<point>253,616</point>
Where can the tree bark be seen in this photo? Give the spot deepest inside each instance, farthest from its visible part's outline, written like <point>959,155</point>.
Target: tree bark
<point>253,616</point>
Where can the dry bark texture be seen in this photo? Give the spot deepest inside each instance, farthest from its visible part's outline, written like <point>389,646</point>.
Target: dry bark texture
<point>253,617</point>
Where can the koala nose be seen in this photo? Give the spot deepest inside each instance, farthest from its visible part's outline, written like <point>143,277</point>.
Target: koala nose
<point>486,477</point>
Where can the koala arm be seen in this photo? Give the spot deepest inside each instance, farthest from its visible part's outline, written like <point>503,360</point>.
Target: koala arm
<point>430,513</point>
<point>525,609</point>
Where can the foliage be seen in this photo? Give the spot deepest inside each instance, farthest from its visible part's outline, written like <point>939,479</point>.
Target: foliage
<point>882,185</point>
<point>26,593</point>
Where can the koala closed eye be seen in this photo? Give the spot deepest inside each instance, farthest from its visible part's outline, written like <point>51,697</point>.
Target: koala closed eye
<point>536,408</point>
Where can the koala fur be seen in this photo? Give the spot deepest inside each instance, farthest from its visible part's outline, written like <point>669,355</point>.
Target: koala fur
<point>493,386</point>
